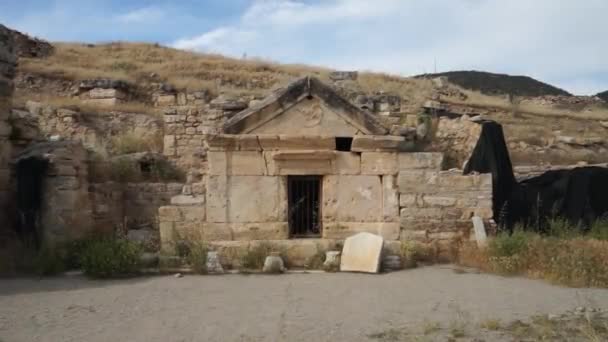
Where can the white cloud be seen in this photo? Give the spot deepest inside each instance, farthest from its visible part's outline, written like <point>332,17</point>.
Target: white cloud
<point>551,40</point>
<point>141,15</point>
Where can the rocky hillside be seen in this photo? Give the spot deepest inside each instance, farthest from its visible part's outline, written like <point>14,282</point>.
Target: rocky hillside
<point>499,84</point>
<point>603,95</point>
<point>543,124</point>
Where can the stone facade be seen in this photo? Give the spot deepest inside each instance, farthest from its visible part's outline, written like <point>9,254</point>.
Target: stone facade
<point>7,72</point>
<point>372,185</point>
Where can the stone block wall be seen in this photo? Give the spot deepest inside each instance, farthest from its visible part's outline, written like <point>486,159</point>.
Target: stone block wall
<point>396,195</point>
<point>438,205</point>
<point>131,206</point>
<point>7,72</point>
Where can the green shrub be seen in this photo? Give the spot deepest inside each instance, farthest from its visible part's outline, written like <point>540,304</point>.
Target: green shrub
<point>197,257</point>
<point>599,230</point>
<point>109,257</point>
<point>49,261</point>
<point>254,258</point>
<point>562,228</point>
<point>507,245</point>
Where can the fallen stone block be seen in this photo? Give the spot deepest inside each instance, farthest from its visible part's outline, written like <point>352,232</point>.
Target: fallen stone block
<point>480,231</point>
<point>213,264</point>
<point>273,264</point>
<point>332,261</point>
<point>362,253</point>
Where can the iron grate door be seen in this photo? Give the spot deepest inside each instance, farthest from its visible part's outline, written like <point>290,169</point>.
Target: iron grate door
<point>304,196</point>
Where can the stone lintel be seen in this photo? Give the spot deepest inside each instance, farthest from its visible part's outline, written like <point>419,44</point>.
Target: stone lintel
<point>377,143</point>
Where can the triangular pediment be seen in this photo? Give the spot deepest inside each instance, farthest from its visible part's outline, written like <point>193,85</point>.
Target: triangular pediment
<point>305,107</point>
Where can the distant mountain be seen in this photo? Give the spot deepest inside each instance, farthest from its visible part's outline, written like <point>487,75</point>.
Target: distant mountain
<point>497,84</point>
<point>603,95</point>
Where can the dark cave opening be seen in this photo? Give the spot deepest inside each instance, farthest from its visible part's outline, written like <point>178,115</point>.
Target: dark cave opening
<point>30,174</point>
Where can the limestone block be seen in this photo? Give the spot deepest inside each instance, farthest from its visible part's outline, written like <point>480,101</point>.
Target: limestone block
<point>238,163</point>
<point>420,160</point>
<point>234,142</point>
<point>260,231</point>
<point>217,198</point>
<point>439,201</point>
<point>169,213</point>
<point>165,100</point>
<point>166,237</point>
<point>216,232</point>
<point>408,200</point>
<point>390,199</point>
<point>188,200</point>
<point>107,102</point>
<point>380,143</point>
<point>304,162</point>
<point>413,181</point>
<point>101,93</point>
<point>169,141</point>
<point>332,260</point>
<point>414,235</point>
<point>480,231</point>
<point>379,163</point>
<point>273,264</point>
<point>414,214</point>
<point>213,265</point>
<point>246,199</point>
<point>193,213</point>
<point>346,163</point>
<point>352,198</point>
<point>342,230</point>
<point>362,253</point>
<point>296,142</point>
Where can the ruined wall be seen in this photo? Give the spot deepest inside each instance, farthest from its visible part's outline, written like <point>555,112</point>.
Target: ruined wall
<point>7,72</point>
<point>131,208</point>
<point>396,195</point>
<point>94,130</point>
<point>456,138</point>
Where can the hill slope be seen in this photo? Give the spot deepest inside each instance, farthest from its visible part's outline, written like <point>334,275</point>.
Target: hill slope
<point>496,84</point>
<point>603,95</point>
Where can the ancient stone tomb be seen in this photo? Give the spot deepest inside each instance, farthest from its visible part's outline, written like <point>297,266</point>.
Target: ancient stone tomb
<point>305,163</point>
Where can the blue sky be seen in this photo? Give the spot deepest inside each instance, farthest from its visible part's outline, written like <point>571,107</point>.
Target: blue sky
<point>563,42</point>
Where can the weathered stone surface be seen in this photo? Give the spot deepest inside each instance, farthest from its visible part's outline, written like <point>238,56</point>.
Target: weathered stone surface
<point>379,163</point>
<point>377,143</point>
<point>362,253</point>
<point>420,160</point>
<point>308,117</point>
<point>332,260</point>
<point>352,199</point>
<point>391,263</point>
<point>343,75</point>
<point>101,93</point>
<point>299,162</point>
<point>106,102</point>
<point>238,163</point>
<point>390,199</point>
<point>188,200</point>
<point>213,265</point>
<point>246,199</point>
<point>346,163</point>
<point>234,142</point>
<point>342,230</point>
<point>260,231</point>
<point>273,264</point>
<point>296,142</point>
<point>480,231</point>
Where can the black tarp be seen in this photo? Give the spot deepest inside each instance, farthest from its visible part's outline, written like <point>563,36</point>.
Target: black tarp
<point>579,195</point>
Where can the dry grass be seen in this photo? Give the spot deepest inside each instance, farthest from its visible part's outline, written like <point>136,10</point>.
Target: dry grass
<point>501,103</point>
<point>131,142</point>
<point>564,258</point>
<point>138,61</point>
<point>82,106</point>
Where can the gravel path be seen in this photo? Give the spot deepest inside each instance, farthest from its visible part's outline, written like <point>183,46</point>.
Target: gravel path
<point>293,307</point>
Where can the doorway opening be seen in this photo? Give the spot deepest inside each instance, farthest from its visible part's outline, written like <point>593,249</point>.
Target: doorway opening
<point>30,173</point>
<point>304,198</point>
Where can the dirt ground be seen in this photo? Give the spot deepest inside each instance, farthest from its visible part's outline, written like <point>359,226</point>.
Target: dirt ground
<point>291,307</point>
